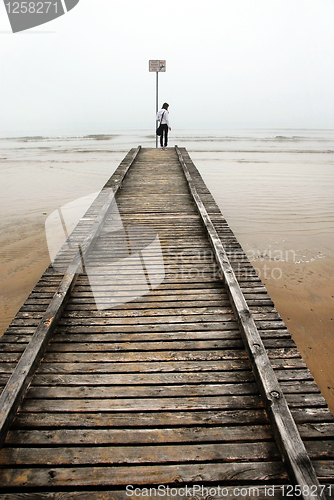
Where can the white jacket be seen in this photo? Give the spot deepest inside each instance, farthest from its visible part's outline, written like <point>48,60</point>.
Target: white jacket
<point>165,118</point>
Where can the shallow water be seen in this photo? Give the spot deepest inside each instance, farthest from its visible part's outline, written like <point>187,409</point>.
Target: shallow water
<point>279,200</point>
<point>275,188</point>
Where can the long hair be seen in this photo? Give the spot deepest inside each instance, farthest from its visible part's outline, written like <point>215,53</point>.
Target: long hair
<point>165,106</point>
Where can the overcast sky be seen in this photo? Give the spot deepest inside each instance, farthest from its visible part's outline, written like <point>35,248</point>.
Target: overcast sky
<point>230,64</point>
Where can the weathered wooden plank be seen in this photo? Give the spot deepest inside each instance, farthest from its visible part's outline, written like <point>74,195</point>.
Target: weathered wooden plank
<point>316,430</point>
<point>80,306</point>
<point>162,404</point>
<point>200,335</point>
<point>161,378</point>
<point>283,364</point>
<point>320,449</point>
<point>324,470</point>
<point>141,475</point>
<point>145,404</point>
<point>125,357</point>
<point>92,437</point>
<point>149,367</point>
<point>138,454</point>
<point>309,417</point>
<point>190,318</point>
<point>79,302</point>
<point>142,378</point>
<point>161,419</point>
<point>178,335</point>
<point>148,346</point>
<point>136,346</point>
<point>150,312</point>
<point>138,391</point>
<point>150,320</point>
<point>154,328</point>
<point>299,386</point>
<point>305,399</point>
<point>7,367</point>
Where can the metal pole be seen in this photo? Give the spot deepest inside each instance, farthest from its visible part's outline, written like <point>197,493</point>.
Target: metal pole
<point>156,110</point>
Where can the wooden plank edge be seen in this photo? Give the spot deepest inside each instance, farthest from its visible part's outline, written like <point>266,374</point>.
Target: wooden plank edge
<point>290,444</point>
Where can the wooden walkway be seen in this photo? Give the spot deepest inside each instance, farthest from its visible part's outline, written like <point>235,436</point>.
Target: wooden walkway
<point>162,368</point>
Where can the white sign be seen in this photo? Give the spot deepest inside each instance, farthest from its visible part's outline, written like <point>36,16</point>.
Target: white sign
<point>157,65</point>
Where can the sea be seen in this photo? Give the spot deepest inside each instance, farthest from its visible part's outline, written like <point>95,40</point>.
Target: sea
<point>275,187</point>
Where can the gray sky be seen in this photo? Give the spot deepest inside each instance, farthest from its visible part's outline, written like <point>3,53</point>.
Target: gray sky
<point>230,64</point>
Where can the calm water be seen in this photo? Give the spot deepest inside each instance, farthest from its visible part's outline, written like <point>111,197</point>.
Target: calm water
<point>276,191</point>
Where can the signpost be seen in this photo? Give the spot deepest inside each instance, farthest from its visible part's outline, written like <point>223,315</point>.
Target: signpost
<point>157,66</point>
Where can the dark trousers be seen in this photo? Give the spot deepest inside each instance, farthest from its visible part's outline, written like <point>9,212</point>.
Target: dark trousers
<point>164,135</point>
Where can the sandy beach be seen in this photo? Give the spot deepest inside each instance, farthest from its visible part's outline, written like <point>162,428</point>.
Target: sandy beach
<point>294,255</point>
<point>304,297</point>
<point>24,257</point>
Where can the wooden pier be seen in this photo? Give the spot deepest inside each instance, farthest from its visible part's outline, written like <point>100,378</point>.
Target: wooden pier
<point>150,354</point>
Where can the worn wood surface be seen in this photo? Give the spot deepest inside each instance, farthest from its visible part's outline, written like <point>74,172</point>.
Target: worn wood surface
<point>156,388</point>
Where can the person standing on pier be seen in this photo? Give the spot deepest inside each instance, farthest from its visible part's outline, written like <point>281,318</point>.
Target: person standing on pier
<point>163,118</point>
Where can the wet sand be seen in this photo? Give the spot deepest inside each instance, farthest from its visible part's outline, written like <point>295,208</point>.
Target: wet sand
<point>24,258</point>
<point>304,297</point>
